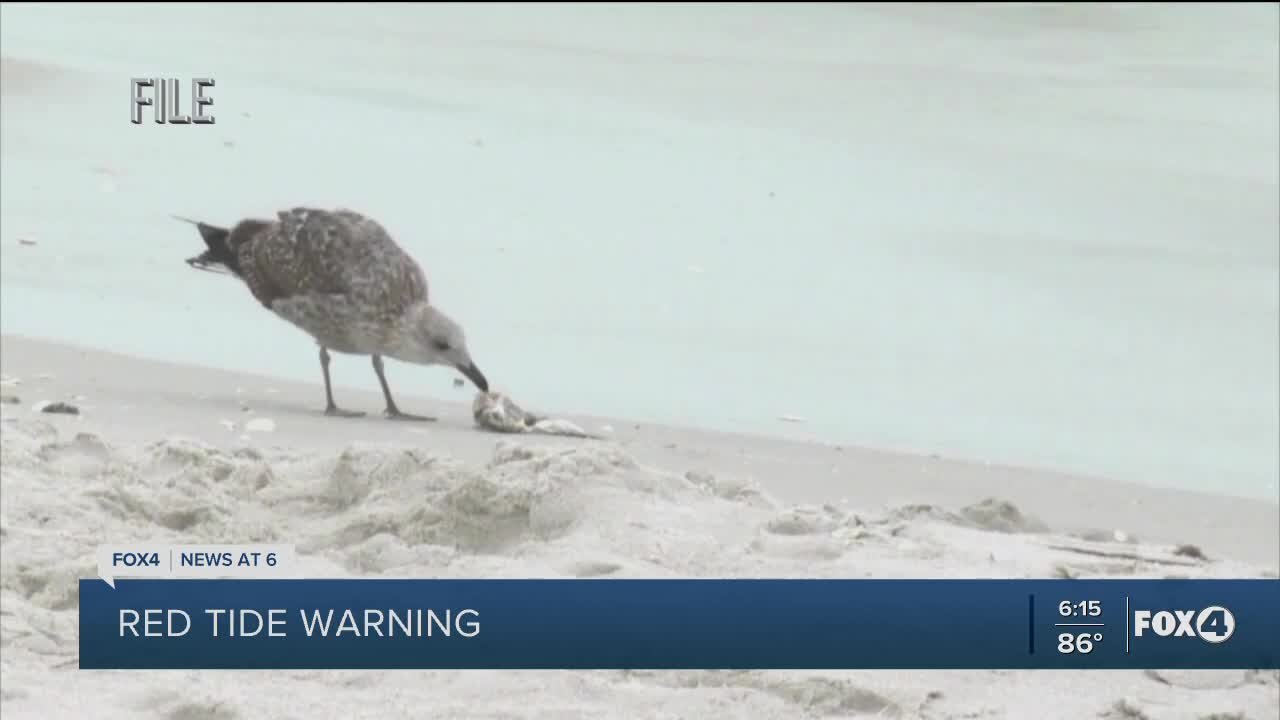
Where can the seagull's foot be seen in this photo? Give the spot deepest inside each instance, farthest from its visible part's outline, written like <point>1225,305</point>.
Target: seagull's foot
<point>335,411</point>
<point>393,413</point>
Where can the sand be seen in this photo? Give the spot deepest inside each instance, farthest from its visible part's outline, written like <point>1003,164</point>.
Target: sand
<point>170,453</point>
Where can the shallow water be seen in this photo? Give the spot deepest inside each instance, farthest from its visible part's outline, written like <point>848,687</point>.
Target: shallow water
<point>1038,235</point>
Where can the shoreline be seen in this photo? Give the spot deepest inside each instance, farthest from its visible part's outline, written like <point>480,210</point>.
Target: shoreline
<point>198,402</point>
<point>149,459</point>
<point>1120,342</point>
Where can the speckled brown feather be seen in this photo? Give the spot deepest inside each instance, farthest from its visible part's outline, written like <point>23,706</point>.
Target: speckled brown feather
<point>319,252</point>
<point>336,274</point>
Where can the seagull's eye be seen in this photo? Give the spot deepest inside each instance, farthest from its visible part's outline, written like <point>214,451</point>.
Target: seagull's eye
<point>441,345</point>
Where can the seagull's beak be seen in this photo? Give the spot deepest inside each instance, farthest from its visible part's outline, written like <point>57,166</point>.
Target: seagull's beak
<point>473,373</point>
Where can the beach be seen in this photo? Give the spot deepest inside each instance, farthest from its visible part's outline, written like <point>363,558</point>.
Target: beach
<point>882,292</point>
<point>164,453</point>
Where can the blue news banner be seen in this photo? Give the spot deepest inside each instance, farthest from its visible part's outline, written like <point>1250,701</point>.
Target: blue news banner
<point>671,624</point>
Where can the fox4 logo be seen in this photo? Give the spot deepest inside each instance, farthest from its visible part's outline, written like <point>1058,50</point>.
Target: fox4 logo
<point>1214,624</point>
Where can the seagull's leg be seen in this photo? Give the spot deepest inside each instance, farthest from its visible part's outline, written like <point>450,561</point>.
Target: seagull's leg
<point>330,408</point>
<point>392,411</point>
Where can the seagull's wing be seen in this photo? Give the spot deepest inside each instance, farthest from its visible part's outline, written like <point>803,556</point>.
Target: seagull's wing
<point>343,253</point>
<point>289,258</point>
<point>380,272</point>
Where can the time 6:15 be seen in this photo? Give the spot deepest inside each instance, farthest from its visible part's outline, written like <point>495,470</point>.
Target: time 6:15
<point>1082,608</point>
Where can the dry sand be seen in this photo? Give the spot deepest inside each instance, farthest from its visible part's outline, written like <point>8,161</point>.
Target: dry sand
<point>163,453</point>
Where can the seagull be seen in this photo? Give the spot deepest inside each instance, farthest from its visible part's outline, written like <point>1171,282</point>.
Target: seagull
<point>340,277</point>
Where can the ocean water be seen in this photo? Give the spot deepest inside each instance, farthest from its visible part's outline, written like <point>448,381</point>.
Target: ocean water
<point>1035,234</point>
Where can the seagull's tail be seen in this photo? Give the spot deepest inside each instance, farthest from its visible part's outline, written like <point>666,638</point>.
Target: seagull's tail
<point>218,257</point>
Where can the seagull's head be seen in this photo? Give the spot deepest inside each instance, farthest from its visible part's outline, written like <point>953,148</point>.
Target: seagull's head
<point>438,340</point>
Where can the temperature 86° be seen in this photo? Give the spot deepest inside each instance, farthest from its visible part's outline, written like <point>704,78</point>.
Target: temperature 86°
<point>1078,643</point>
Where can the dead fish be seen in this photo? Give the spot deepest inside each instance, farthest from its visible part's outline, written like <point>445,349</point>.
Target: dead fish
<point>556,426</point>
<point>498,412</point>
